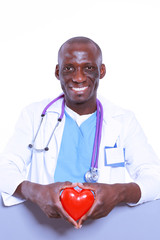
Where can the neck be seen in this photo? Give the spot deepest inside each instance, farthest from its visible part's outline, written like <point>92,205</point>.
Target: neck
<point>83,108</point>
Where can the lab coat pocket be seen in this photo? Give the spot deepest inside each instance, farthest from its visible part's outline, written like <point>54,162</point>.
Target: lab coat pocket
<point>114,156</point>
<point>115,160</point>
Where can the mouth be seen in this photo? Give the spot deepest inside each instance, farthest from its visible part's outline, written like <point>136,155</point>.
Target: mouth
<point>79,89</point>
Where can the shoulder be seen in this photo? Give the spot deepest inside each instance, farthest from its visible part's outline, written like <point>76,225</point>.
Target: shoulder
<point>125,117</point>
<point>113,110</point>
<point>38,107</point>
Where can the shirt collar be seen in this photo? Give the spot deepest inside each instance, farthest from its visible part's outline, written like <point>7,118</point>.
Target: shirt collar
<point>79,119</point>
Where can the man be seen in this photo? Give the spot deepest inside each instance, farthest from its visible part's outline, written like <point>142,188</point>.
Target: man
<point>41,176</point>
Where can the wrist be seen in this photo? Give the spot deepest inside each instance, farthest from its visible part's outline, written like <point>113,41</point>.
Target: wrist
<point>26,190</point>
<point>128,192</point>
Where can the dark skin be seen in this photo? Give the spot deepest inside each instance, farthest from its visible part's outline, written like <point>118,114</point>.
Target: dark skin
<point>80,67</point>
<point>79,70</point>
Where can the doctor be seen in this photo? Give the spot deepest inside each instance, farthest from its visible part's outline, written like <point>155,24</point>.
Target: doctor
<point>39,176</point>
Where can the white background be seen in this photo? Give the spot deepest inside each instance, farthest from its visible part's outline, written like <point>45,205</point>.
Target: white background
<point>128,32</point>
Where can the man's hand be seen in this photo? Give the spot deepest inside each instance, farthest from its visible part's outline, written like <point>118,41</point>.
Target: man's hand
<point>47,197</point>
<point>107,196</point>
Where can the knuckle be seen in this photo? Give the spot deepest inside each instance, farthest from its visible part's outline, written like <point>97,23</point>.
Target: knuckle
<point>99,203</point>
<point>67,183</point>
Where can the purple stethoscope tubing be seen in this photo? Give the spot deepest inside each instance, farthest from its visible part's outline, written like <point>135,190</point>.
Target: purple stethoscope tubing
<point>31,146</point>
<point>98,133</point>
<point>53,101</point>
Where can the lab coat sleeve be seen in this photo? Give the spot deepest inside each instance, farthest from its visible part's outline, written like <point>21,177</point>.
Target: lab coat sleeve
<point>142,162</point>
<point>15,159</point>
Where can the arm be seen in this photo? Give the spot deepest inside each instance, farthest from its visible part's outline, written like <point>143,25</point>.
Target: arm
<point>46,197</point>
<point>107,196</point>
<point>141,162</point>
<point>16,158</point>
<point>144,168</point>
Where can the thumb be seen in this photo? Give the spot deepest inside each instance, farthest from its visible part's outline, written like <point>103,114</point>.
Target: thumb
<point>68,185</point>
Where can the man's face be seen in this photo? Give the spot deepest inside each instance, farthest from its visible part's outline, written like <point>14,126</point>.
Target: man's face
<point>79,71</point>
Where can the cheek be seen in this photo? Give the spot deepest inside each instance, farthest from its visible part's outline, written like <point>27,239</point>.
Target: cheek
<point>96,75</point>
<point>93,75</point>
<point>64,78</point>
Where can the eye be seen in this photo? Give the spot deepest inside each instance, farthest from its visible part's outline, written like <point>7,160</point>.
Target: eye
<point>90,68</point>
<point>68,69</point>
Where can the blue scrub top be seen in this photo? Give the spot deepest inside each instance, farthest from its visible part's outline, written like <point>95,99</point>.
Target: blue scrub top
<point>75,154</point>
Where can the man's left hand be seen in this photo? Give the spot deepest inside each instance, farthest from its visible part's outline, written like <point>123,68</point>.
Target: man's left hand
<point>107,196</point>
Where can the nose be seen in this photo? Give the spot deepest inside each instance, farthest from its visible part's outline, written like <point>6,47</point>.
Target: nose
<point>79,76</point>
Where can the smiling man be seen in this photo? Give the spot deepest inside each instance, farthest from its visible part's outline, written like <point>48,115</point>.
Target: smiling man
<point>79,134</point>
<point>79,70</point>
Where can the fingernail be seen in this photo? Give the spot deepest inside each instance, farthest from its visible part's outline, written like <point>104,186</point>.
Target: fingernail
<point>78,227</point>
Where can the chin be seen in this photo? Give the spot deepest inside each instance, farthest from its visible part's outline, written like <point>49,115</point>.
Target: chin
<point>73,97</point>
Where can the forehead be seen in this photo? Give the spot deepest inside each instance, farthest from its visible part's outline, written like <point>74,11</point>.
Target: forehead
<point>78,52</point>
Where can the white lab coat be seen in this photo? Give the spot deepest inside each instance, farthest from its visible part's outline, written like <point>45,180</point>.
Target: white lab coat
<point>19,163</point>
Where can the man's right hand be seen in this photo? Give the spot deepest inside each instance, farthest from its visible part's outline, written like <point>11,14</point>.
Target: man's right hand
<point>47,197</point>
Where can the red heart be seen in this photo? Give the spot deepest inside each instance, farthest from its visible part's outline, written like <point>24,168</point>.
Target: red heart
<point>76,202</point>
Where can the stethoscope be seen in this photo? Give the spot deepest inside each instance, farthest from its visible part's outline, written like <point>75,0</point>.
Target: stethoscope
<point>91,175</point>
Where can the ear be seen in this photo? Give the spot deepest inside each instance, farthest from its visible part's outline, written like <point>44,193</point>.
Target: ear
<point>102,71</point>
<point>57,71</point>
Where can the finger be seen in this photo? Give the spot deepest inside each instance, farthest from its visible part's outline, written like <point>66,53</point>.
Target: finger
<point>69,219</point>
<point>68,185</point>
<point>80,185</point>
<point>82,220</point>
<point>88,215</point>
<point>93,213</point>
<point>65,215</point>
<point>89,186</point>
<point>50,212</point>
<point>53,215</point>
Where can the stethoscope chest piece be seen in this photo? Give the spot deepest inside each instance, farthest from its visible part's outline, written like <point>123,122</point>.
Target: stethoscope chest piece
<point>92,175</point>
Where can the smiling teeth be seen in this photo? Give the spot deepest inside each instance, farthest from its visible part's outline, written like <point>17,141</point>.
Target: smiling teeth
<point>79,89</point>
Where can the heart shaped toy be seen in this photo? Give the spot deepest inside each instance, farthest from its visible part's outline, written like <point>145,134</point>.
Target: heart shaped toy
<point>76,202</point>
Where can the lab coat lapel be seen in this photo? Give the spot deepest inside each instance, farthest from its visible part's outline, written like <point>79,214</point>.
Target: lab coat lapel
<point>111,131</point>
<point>50,122</point>
<point>111,127</point>
<point>110,135</point>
